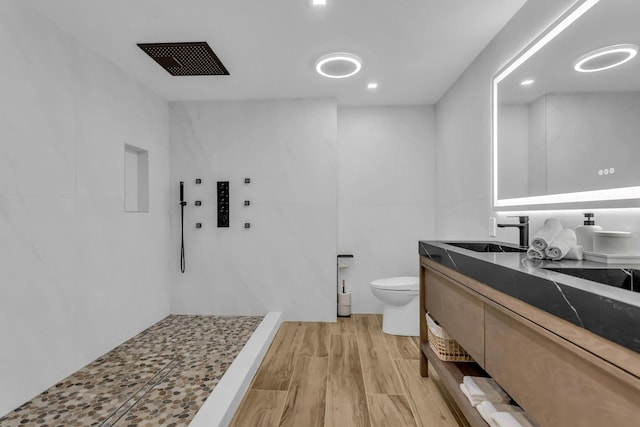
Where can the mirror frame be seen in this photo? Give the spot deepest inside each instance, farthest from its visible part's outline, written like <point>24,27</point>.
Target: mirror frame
<point>595,198</point>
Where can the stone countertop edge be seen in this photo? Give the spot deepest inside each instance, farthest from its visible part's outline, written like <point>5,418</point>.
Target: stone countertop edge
<point>607,311</point>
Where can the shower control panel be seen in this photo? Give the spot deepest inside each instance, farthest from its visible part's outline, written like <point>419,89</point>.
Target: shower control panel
<point>223,204</point>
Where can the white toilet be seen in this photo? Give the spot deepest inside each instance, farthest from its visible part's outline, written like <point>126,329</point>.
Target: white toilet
<point>400,296</point>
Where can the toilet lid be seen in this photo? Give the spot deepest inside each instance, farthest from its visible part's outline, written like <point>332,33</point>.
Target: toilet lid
<point>405,283</point>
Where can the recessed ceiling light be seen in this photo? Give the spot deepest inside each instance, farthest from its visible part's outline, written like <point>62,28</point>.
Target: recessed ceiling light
<point>527,82</point>
<point>319,2</point>
<point>372,86</point>
<point>605,58</point>
<point>338,65</point>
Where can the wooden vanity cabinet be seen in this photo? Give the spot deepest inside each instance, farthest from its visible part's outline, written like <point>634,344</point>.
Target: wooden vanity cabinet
<point>558,382</point>
<point>556,385</point>
<point>459,312</point>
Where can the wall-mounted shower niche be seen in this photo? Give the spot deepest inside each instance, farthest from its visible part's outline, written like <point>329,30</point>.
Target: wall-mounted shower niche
<point>136,179</point>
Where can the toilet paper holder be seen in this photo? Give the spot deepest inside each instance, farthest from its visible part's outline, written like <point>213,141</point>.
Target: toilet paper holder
<point>344,298</point>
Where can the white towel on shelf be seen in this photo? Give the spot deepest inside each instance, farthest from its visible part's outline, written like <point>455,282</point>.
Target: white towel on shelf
<point>534,253</point>
<point>561,245</point>
<point>486,409</point>
<point>511,419</point>
<point>546,234</point>
<point>480,389</point>
<point>466,393</point>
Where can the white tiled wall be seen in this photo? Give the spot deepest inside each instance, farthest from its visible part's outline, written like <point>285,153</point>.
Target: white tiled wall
<point>286,260</point>
<point>386,186</point>
<point>77,275</point>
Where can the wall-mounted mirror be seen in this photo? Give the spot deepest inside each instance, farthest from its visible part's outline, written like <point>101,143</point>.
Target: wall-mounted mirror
<point>566,112</point>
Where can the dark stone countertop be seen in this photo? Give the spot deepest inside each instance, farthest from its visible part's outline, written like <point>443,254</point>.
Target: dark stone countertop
<point>607,311</point>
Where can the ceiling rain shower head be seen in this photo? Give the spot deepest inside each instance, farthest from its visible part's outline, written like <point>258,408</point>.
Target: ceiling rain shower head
<point>185,59</point>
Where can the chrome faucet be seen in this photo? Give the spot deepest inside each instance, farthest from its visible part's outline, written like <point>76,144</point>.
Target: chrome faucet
<point>523,226</point>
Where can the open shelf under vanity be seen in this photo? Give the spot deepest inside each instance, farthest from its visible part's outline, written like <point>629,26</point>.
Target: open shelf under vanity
<point>450,375</point>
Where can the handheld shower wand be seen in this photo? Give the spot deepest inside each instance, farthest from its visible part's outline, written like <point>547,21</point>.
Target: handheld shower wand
<point>182,205</point>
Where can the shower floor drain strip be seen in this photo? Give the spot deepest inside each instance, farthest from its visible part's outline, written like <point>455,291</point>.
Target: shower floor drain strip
<point>140,394</point>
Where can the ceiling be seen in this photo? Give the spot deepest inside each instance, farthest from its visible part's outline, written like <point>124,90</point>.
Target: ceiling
<point>414,49</point>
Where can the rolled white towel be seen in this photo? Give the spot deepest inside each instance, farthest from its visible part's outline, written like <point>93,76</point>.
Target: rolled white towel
<point>486,409</point>
<point>481,389</point>
<point>535,253</point>
<point>561,245</point>
<point>576,252</point>
<point>546,234</point>
<point>511,419</point>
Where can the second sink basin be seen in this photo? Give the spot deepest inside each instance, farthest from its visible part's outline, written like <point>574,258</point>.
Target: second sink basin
<point>486,247</point>
<point>623,278</point>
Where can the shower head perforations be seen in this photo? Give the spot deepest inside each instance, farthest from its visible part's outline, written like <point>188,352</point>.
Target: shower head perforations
<point>185,59</point>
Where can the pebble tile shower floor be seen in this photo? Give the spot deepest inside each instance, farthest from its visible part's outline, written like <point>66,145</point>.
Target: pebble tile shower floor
<point>160,377</point>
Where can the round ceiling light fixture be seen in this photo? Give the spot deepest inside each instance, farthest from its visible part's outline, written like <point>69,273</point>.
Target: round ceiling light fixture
<point>338,65</point>
<point>605,58</point>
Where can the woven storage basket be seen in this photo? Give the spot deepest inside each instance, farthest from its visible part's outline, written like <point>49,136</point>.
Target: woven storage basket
<point>446,348</point>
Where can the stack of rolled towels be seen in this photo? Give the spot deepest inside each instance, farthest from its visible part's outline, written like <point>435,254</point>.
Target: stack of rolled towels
<point>555,243</point>
<point>493,403</point>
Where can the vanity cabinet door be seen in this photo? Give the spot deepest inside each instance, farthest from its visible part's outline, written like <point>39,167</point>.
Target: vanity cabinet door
<point>459,312</point>
<point>552,382</point>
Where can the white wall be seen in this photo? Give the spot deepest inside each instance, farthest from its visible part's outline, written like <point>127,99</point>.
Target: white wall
<point>286,261</point>
<point>77,275</point>
<point>386,190</point>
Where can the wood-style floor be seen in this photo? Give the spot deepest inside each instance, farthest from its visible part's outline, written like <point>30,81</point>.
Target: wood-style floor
<point>347,373</point>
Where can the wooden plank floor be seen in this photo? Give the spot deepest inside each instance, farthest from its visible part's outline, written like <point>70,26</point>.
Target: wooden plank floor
<point>347,373</point>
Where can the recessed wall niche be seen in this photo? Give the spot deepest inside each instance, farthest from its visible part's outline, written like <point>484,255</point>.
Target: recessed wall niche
<point>136,179</point>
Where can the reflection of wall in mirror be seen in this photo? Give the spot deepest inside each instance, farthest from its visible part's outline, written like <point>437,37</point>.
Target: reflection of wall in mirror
<point>592,132</point>
<point>537,148</point>
<point>522,153</point>
<point>513,151</point>
<point>560,142</point>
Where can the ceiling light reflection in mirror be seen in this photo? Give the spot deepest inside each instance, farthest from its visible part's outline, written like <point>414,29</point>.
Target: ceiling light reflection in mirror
<point>605,58</point>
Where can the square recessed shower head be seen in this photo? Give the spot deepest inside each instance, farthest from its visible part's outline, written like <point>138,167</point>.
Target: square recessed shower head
<point>185,59</point>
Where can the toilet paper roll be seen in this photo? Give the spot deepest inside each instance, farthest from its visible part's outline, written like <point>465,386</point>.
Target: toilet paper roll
<point>344,298</point>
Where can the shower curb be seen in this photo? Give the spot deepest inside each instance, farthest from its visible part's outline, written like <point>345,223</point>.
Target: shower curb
<point>221,405</point>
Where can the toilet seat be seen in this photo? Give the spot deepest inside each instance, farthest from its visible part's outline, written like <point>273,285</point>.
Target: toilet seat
<point>404,283</point>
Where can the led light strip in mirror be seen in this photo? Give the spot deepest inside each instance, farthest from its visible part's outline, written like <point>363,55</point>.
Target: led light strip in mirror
<point>570,16</point>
